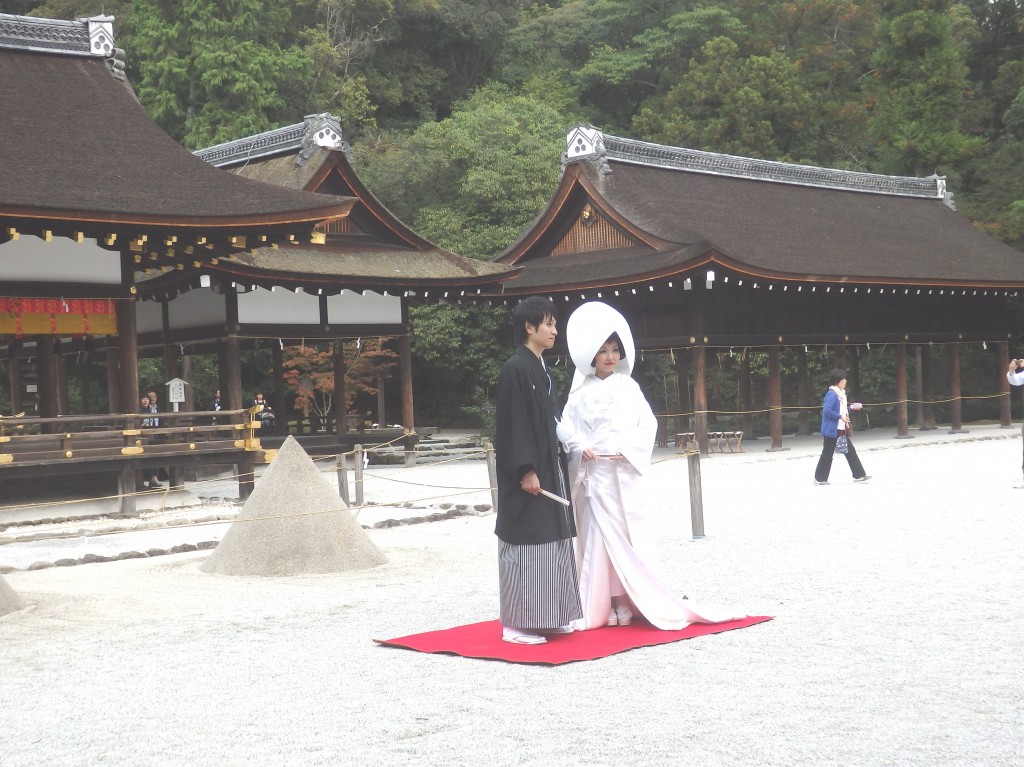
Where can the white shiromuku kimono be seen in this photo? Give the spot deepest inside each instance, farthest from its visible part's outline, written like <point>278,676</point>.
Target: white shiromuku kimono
<point>614,543</point>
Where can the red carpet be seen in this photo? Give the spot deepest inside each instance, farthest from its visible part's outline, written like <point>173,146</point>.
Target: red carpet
<point>483,640</point>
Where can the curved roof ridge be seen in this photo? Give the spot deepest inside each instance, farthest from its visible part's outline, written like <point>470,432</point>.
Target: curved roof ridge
<point>626,150</point>
<point>317,130</point>
<point>81,37</point>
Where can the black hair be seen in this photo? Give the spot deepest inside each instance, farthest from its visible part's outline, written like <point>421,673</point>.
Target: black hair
<point>835,376</point>
<point>533,310</point>
<point>613,338</point>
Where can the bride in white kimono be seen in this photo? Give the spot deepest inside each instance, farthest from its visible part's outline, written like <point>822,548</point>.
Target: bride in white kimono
<point>608,429</point>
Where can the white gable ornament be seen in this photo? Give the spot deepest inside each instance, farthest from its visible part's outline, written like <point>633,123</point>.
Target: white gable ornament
<point>587,141</point>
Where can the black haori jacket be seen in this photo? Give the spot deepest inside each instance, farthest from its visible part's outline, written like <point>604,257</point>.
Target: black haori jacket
<point>525,440</point>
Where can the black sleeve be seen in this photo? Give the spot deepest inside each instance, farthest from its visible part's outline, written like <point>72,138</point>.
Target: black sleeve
<point>516,450</point>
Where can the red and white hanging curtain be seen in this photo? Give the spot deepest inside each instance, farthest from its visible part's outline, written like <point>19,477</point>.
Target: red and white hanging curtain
<point>57,316</point>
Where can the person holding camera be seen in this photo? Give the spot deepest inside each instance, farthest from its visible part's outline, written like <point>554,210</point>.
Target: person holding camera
<point>1015,374</point>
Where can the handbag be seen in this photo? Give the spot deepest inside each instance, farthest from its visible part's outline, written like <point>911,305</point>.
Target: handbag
<point>842,444</point>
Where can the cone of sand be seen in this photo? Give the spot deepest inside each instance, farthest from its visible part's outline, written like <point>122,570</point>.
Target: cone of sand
<point>294,523</point>
<point>9,600</point>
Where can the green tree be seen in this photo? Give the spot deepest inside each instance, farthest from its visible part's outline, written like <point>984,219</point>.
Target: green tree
<point>544,52</point>
<point>72,9</point>
<point>919,87</point>
<point>473,181</point>
<point>209,72</point>
<point>457,352</point>
<point>435,53</point>
<point>725,102</point>
<point>341,42</point>
<point>646,47</point>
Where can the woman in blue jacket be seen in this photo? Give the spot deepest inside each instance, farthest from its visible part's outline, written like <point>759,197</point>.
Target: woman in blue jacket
<point>835,423</point>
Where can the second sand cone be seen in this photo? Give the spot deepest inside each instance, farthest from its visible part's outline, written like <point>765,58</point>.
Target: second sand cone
<point>9,600</point>
<point>294,523</point>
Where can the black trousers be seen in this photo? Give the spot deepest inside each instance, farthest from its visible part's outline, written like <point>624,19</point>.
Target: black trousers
<point>828,449</point>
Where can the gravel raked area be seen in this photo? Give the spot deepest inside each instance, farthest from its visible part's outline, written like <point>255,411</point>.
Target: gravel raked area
<point>898,636</point>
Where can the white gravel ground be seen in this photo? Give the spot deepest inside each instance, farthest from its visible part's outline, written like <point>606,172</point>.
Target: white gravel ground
<point>898,637</point>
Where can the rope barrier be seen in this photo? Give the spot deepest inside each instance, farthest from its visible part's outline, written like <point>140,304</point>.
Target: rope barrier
<point>355,509</point>
<point>962,397</point>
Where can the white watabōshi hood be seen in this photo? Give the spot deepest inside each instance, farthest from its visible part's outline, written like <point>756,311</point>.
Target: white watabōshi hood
<point>588,328</point>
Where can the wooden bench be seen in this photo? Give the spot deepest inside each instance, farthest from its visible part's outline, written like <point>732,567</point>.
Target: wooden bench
<point>718,441</point>
<point>686,441</point>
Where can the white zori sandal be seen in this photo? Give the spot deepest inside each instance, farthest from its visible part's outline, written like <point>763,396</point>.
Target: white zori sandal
<point>518,636</point>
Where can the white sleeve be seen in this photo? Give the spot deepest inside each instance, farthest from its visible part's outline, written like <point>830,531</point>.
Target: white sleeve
<point>566,429</point>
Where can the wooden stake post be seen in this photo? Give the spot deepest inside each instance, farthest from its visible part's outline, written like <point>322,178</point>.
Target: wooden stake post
<point>696,495</point>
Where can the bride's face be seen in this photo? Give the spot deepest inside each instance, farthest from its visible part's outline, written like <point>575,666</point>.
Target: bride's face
<point>606,359</point>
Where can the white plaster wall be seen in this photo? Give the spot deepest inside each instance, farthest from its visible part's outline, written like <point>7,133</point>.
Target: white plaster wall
<point>357,309</point>
<point>279,306</point>
<point>148,317</point>
<point>30,259</point>
<point>196,308</point>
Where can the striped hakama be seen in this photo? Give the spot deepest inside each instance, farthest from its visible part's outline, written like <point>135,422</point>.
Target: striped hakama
<point>538,585</point>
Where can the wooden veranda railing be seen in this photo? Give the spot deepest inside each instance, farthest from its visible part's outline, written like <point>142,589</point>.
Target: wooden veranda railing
<point>124,443</point>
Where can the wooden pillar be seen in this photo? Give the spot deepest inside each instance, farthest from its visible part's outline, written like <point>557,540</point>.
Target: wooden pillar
<point>277,395</point>
<point>340,368</point>
<point>233,372</point>
<point>382,417</point>
<point>246,477</point>
<point>840,357</point>
<point>14,378</point>
<point>46,364</point>
<point>1002,362</point>
<point>901,391</point>
<point>853,383</point>
<point>222,371</point>
<point>803,417</point>
<point>700,398</point>
<point>775,398</point>
<point>405,373</point>
<point>171,367</point>
<point>85,383</point>
<point>114,381</point>
<point>126,487</point>
<point>685,423</point>
<point>189,404</point>
<point>63,398</point>
<point>924,371</point>
<point>128,356</point>
<point>746,392</point>
<point>956,425</point>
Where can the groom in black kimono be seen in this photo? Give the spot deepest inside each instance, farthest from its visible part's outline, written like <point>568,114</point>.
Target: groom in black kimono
<point>536,565</point>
